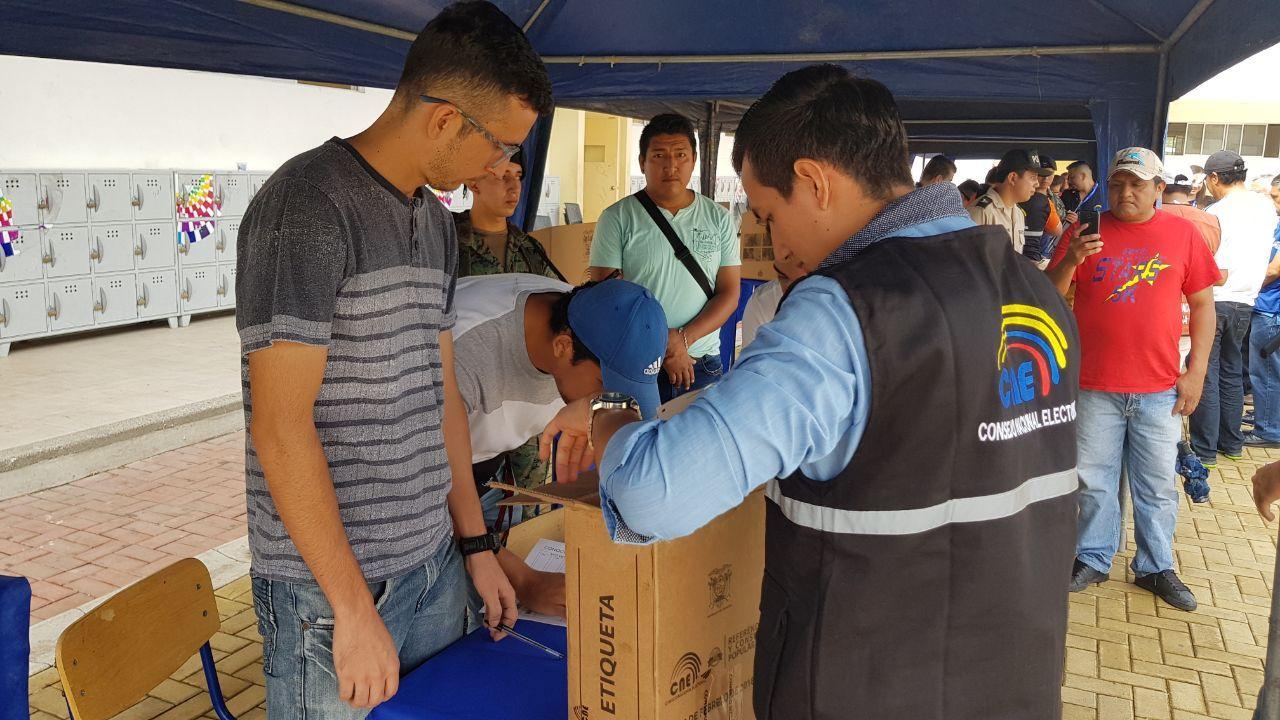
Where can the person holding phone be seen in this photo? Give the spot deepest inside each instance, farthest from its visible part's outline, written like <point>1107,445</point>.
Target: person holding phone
<point>1131,266</point>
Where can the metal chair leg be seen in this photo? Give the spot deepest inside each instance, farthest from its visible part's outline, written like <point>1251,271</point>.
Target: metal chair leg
<point>215,688</point>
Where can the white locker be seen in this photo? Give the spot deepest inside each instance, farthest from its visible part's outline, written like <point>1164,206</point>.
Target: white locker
<point>256,181</point>
<point>199,289</point>
<point>153,195</point>
<point>115,298</point>
<point>111,247</point>
<point>157,293</point>
<point>226,285</point>
<point>227,233</point>
<point>64,198</point>
<point>66,251</point>
<point>22,310</point>
<point>232,192</point>
<point>26,262</point>
<point>550,191</point>
<point>154,245</point>
<point>110,197</point>
<point>70,303</point>
<point>203,250</point>
<point>23,191</point>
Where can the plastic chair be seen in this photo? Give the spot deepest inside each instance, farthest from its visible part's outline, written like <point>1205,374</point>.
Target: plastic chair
<point>15,647</point>
<point>111,658</point>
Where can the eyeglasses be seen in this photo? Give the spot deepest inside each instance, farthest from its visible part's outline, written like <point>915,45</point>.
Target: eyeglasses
<point>508,151</point>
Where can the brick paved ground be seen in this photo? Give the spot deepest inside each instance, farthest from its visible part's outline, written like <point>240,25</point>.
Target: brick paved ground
<point>81,541</point>
<point>1127,656</point>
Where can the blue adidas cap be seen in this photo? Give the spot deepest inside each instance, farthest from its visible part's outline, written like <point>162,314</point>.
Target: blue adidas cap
<point>623,325</point>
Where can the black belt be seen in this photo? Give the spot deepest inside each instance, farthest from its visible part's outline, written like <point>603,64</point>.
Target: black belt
<point>487,470</point>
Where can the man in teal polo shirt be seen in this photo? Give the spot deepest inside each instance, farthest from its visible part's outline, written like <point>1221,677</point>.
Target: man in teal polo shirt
<point>628,239</point>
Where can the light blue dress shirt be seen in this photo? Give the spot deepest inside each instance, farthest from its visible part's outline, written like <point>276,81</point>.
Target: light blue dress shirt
<point>798,398</point>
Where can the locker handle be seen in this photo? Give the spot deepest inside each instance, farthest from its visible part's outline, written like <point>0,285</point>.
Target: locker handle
<point>186,294</point>
<point>48,258</point>
<point>136,200</point>
<point>4,313</point>
<point>141,249</point>
<point>222,240</point>
<point>96,254</point>
<point>56,310</point>
<point>144,300</point>
<point>101,305</point>
<point>222,286</point>
<point>92,203</point>
<point>1,262</point>
<point>42,203</point>
<point>184,247</point>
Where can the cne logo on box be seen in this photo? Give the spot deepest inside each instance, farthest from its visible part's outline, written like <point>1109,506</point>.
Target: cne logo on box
<point>689,674</point>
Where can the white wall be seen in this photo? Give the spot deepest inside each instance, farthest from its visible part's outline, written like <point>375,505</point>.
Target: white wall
<point>63,114</point>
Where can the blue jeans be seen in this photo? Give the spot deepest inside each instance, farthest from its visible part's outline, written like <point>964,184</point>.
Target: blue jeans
<point>706,370</point>
<point>1265,373</point>
<point>424,611</point>
<point>1140,432</point>
<point>1215,425</point>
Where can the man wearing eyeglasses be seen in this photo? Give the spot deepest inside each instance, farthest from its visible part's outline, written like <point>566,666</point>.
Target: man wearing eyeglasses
<point>363,513</point>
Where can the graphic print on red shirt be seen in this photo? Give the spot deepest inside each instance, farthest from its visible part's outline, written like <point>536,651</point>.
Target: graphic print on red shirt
<point>1128,302</point>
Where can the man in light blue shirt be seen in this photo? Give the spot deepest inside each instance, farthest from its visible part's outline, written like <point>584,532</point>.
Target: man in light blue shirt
<point>899,579</point>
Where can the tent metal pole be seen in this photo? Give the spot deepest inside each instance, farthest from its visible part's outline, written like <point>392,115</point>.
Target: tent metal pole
<point>707,169</point>
<point>1186,24</point>
<point>1029,51</point>
<point>996,121</point>
<point>1162,106</point>
<point>534,17</point>
<point>332,18</point>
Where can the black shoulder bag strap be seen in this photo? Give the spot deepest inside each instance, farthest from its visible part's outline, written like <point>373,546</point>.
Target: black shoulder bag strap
<point>681,250</point>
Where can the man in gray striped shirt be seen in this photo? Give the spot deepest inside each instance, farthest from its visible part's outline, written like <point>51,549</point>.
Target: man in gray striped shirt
<point>357,431</point>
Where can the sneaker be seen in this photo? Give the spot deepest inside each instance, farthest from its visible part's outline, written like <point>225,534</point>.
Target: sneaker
<point>1254,441</point>
<point>1235,457</point>
<point>1166,586</point>
<point>1082,576</point>
<point>1209,464</point>
<point>1248,419</point>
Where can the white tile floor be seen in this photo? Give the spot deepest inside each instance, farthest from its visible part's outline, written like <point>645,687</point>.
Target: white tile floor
<point>79,382</point>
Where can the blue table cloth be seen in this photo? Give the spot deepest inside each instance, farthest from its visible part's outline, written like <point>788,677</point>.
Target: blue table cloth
<point>478,679</point>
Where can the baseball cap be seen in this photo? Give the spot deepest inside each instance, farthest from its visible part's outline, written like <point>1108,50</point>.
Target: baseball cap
<point>1223,161</point>
<point>624,326</point>
<point>1049,164</point>
<point>1178,183</point>
<point>1020,161</point>
<point>1137,161</point>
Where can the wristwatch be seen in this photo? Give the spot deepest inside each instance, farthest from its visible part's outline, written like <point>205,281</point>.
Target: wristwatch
<point>480,543</point>
<point>609,401</point>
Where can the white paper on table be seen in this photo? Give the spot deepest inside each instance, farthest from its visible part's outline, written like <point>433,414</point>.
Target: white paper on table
<point>546,556</point>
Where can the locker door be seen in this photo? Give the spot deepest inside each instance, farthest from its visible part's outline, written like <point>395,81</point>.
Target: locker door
<point>110,197</point>
<point>22,190</point>
<point>232,191</point>
<point>70,303</point>
<point>65,197</point>
<point>25,263</point>
<point>157,293</point>
<point>256,181</point>
<point>197,241</point>
<point>22,310</point>
<point>115,298</point>
<point>111,247</point>
<point>199,290</point>
<point>226,285</point>
<point>66,251</point>
<point>228,230</point>
<point>153,196</point>
<point>154,245</point>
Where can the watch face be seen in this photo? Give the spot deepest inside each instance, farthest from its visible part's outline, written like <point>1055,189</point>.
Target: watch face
<point>615,397</point>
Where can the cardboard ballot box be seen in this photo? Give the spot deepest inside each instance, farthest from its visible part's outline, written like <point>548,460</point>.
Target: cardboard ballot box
<point>569,247</point>
<point>757,250</point>
<point>656,632</point>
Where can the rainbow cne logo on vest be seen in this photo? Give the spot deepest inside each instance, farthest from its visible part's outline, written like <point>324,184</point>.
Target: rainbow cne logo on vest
<point>1032,355</point>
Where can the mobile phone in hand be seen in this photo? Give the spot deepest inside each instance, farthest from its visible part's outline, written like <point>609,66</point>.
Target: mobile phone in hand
<point>1088,221</point>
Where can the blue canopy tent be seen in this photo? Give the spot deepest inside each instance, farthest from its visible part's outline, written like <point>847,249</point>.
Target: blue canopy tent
<point>1076,79</point>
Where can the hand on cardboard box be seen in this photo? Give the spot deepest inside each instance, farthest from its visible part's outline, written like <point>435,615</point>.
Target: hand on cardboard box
<point>543,593</point>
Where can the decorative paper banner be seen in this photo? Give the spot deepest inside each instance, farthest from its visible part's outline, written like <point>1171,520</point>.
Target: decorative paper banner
<point>194,230</point>
<point>7,237</point>
<point>197,200</point>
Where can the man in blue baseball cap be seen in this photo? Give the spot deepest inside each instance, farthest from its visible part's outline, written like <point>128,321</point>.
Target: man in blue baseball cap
<point>524,346</point>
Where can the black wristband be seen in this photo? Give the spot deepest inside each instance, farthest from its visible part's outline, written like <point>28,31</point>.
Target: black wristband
<point>480,543</point>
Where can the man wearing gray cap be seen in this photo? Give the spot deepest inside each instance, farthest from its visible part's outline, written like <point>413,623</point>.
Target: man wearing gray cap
<point>1247,221</point>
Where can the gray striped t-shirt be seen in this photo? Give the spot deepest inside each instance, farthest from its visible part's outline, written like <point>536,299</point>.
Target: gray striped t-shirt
<point>331,254</point>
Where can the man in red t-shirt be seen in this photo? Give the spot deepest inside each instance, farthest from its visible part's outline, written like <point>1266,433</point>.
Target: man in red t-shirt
<point>1129,280</point>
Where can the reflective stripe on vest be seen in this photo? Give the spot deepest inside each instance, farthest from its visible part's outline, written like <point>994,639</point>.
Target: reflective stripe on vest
<point>910,522</point>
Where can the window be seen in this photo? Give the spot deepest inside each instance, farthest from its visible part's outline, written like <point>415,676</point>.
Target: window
<point>1234,134</point>
<point>1254,139</point>
<point>1175,139</point>
<point>1272,147</point>
<point>1214,139</point>
<point>1195,138</point>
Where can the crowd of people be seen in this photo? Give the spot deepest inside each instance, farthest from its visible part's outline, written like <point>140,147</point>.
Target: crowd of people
<point>398,358</point>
